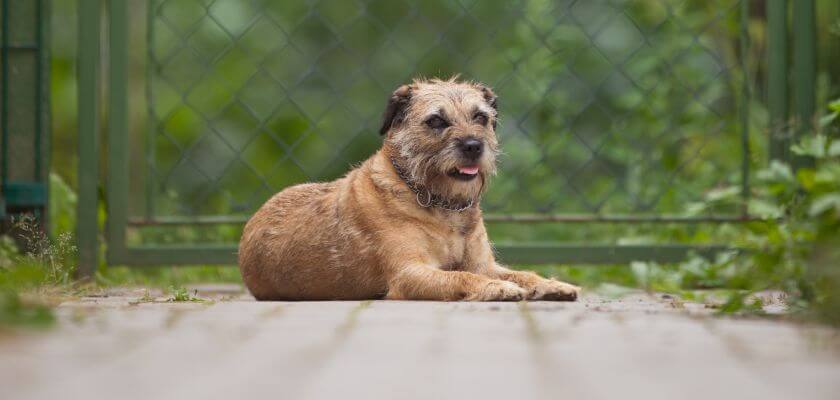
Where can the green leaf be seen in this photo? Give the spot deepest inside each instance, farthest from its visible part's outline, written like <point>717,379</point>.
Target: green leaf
<point>828,175</point>
<point>813,146</point>
<point>721,194</point>
<point>641,271</point>
<point>824,203</point>
<point>807,177</point>
<point>834,149</point>
<point>695,208</point>
<point>834,106</point>
<point>826,120</point>
<point>765,209</point>
<point>777,171</point>
<point>62,206</point>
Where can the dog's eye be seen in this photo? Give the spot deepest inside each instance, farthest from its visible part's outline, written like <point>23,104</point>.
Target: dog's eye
<point>480,118</point>
<point>436,122</point>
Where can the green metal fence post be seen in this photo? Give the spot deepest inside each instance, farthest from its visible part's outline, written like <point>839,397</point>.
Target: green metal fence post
<point>804,69</point>
<point>24,115</point>
<point>745,108</point>
<point>118,167</point>
<point>4,102</point>
<point>777,83</point>
<point>44,144</point>
<point>88,173</point>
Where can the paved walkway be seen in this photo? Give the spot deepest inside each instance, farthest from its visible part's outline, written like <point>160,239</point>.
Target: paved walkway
<point>234,348</point>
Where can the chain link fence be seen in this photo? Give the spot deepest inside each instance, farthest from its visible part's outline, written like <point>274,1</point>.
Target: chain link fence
<point>630,111</point>
<point>607,107</point>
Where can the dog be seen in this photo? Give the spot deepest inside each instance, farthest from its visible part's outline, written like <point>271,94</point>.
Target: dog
<point>403,225</point>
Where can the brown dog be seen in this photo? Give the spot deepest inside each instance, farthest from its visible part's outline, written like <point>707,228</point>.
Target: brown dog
<point>403,225</point>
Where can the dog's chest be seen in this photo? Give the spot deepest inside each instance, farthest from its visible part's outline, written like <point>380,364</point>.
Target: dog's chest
<point>450,251</point>
<point>450,244</point>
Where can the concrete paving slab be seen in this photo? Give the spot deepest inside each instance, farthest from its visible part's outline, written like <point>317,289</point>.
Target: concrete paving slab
<point>120,345</point>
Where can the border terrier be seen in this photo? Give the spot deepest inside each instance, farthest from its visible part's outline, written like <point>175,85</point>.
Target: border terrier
<point>405,224</point>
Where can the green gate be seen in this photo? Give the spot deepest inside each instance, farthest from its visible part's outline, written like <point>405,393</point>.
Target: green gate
<point>614,113</point>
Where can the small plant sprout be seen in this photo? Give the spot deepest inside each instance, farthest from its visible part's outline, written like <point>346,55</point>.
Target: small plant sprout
<point>181,294</point>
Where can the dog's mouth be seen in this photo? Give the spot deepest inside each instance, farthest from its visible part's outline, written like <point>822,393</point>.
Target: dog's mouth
<point>464,173</point>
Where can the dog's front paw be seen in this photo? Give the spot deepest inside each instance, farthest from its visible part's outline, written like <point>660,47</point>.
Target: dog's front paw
<point>550,289</point>
<point>498,290</point>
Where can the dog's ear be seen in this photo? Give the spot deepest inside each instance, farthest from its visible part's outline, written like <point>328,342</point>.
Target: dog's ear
<point>396,108</point>
<point>489,96</point>
<point>491,99</point>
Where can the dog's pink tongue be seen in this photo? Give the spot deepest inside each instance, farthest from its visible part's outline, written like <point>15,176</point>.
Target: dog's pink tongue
<point>468,170</point>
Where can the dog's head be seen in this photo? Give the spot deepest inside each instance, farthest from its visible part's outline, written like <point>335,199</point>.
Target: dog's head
<point>443,133</point>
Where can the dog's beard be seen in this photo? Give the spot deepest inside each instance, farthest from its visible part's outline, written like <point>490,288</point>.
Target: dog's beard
<point>432,171</point>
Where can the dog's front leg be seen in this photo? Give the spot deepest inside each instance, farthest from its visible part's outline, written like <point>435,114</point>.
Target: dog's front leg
<point>421,282</point>
<point>538,287</point>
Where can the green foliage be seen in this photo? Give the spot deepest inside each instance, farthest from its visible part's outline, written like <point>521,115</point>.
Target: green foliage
<point>795,249</point>
<point>14,310</point>
<point>43,264</point>
<point>181,294</point>
<point>792,251</point>
<point>62,207</point>
<point>53,258</point>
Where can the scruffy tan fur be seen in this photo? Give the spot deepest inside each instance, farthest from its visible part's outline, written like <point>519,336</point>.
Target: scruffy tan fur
<point>365,236</point>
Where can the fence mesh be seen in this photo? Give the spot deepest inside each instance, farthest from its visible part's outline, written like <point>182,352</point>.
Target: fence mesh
<point>607,107</point>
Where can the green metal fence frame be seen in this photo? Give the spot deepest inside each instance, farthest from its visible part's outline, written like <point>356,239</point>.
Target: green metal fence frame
<point>804,70</point>
<point>118,252</point>
<point>29,194</point>
<point>88,172</point>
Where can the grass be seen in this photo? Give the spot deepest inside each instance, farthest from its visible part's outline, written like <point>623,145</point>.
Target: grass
<point>18,311</point>
<point>32,281</point>
<point>165,277</point>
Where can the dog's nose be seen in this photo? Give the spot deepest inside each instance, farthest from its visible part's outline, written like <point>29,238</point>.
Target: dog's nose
<point>472,148</point>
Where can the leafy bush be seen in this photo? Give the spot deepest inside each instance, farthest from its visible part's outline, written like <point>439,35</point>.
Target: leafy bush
<point>795,249</point>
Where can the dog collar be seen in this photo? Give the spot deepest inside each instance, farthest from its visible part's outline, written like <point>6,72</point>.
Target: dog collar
<point>425,198</point>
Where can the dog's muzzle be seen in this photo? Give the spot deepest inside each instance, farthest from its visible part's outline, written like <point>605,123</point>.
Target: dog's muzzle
<point>471,148</point>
